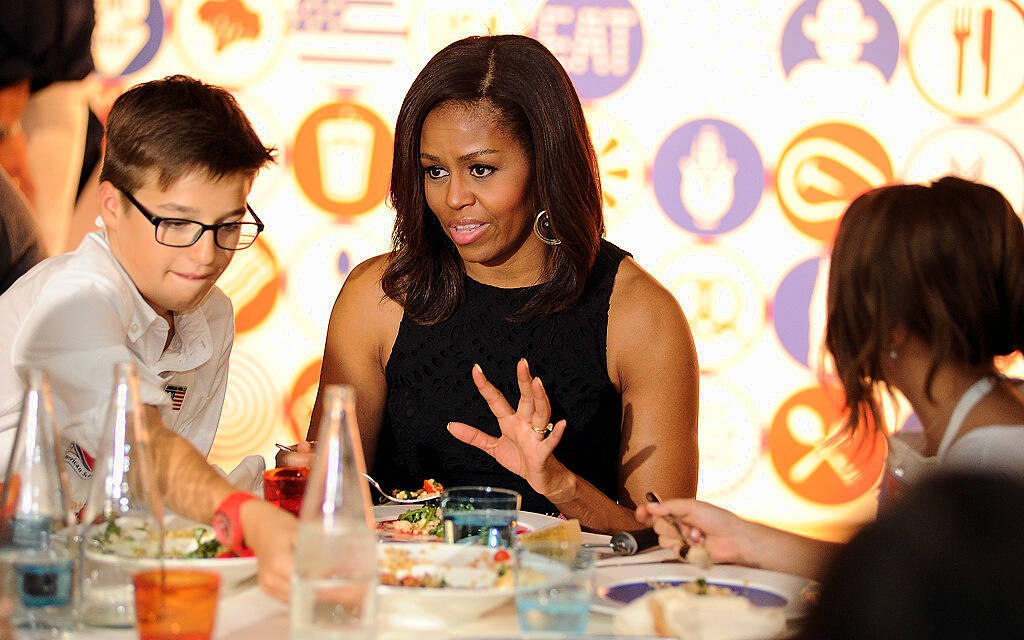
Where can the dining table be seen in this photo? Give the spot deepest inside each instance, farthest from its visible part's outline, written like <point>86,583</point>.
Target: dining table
<point>245,612</point>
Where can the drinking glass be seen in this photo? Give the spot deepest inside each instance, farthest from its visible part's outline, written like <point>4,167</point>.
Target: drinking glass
<point>480,515</point>
<point>284,487</point>
<point>554,584</point>
<point>176,604</point>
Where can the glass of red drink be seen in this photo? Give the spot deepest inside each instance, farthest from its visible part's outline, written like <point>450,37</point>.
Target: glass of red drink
<point>284,487</point>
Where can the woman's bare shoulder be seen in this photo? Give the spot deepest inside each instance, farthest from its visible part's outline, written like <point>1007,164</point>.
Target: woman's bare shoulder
<point>362,294</point>
<point>638,296</point>
<point>646,327</point>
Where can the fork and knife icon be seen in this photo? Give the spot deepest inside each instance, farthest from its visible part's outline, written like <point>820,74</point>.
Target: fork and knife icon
<point>961,32</point>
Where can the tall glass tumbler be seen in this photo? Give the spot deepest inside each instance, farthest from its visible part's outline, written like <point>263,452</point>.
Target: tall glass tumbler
<point>480,515</point>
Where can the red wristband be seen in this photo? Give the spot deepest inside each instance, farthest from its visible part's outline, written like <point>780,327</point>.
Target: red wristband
<point>226,524</point>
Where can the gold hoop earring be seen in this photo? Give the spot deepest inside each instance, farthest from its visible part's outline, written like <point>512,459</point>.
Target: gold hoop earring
<point>537,224</point>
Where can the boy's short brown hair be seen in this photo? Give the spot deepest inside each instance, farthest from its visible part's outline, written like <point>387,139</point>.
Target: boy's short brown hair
<point>175,126</point>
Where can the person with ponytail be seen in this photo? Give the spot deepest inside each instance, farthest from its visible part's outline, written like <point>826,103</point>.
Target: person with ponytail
<point>926,291</point>
<point>503,341</point>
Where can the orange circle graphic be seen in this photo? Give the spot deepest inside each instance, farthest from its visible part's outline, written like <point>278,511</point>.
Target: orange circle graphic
<point>342,158</point>
<point>814,464</point>
<point>252,282</point>
<point>822,170</point>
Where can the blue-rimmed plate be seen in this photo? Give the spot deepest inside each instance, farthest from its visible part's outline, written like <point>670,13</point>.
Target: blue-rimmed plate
<point>630,591</point>
<point>617,586</point>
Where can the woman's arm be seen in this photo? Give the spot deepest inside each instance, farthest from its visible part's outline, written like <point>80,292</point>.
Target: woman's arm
<point>653,363</point>
<point>360,334</point>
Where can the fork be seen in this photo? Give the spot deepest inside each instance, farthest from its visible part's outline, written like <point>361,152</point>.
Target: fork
<point>376,485</point>
<point>394,499</point>
<point>961,31</point>
<point>694,552</point>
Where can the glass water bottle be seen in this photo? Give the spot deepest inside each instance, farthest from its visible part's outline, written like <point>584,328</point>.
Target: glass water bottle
<point>37,544</point>
<point>335,576</point>
<point>123,514</point>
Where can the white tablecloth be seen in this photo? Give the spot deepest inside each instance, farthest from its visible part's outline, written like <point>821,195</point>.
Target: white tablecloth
<point>249,614</point>
<point>246,613</point>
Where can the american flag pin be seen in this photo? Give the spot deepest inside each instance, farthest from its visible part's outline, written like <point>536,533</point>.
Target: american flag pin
<point>177,394</point>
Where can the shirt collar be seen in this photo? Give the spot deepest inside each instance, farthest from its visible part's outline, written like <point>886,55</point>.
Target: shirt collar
<point>191,327</point>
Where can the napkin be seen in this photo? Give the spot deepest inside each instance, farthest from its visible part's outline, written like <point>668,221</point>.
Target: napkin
<point>678,613</point>
<point>248,475</point>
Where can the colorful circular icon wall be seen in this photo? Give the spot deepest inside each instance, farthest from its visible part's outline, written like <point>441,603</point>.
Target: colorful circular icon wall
<point>730,135</point>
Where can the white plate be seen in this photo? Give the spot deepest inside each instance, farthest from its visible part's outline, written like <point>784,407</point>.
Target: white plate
<point>231,570</point>
<point>614,585</point>
<point>527,520</point>
<point>439,607</point>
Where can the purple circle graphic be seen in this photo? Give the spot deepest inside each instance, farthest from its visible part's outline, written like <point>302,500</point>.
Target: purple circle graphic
<point>599,42</point>
<point>155,22</point>
<point>708,176</point>
<point>792,310</point>
<point>881,51</point>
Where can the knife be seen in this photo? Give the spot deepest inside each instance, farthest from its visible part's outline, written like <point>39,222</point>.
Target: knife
<point>986,45</point>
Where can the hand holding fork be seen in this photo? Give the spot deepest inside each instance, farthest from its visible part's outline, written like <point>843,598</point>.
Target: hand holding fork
<point>690,550</point>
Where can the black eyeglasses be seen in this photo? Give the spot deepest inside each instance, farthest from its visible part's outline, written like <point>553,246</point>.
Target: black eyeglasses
<point>181,232</point>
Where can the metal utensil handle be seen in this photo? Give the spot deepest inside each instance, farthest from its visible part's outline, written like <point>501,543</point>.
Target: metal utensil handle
<point>627,543</point>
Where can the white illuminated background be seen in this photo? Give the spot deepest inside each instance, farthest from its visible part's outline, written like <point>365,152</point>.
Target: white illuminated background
<point>730,135</point>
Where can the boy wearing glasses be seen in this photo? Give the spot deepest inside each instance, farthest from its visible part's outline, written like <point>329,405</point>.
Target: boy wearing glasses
<point>180,161</point>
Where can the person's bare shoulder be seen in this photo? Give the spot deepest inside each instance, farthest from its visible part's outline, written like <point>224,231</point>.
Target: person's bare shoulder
<point>362,306</point>
<point>638,298</point>
<point>363,286</point>
<point>643,318</point>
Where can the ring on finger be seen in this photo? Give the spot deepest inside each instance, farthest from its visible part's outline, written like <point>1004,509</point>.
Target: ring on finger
<point>543,430</point>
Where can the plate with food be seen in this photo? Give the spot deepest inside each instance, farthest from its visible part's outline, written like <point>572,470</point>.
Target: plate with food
<point>187,545</point>
<point>430,586</point>
<point>618,587</point>
<point>422,523</point>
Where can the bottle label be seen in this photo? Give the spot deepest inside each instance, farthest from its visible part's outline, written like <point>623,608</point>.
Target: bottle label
<point>44,585</point>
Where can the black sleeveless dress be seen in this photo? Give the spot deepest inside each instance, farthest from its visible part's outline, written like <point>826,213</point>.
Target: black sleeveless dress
<point>429,385</point>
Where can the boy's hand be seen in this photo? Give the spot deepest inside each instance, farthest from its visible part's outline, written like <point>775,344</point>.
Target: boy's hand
<point>301,457</point>
<point>270,532</point>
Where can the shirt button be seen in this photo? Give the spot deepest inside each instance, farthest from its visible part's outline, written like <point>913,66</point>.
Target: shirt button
<point>134,327</point>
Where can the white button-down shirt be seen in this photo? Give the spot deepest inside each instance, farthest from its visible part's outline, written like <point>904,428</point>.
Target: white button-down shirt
<point>78,314</point>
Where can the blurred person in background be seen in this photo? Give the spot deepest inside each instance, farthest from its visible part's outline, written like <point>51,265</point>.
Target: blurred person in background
<point>20,246</point>
<point>49,140</point>
<point>499,279</point>
<point>925,290</point>
<point>944,561</point>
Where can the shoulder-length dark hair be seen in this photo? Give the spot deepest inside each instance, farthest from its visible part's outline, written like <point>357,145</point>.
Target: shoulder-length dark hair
<point>535,100</point>
<point>943,262</point>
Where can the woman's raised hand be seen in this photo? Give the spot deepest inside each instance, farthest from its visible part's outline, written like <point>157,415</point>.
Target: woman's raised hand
<point>527,435</point>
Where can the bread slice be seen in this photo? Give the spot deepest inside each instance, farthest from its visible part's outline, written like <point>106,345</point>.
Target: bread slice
<point>568,531</point>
